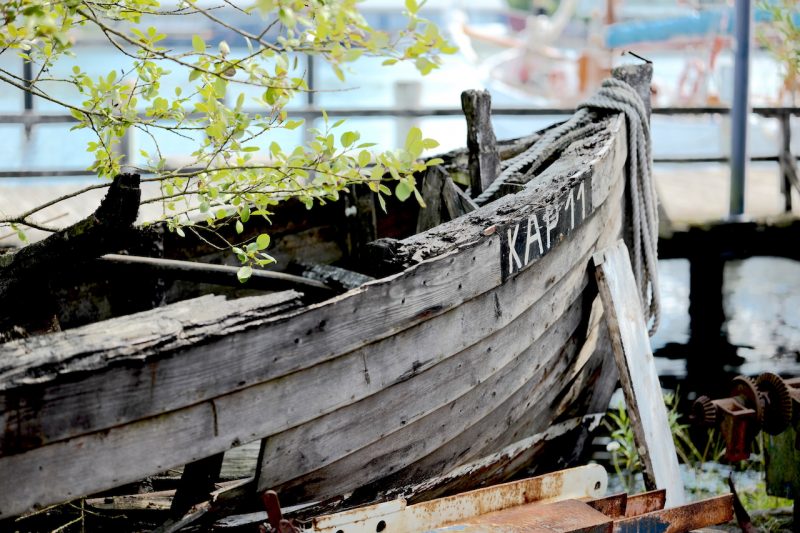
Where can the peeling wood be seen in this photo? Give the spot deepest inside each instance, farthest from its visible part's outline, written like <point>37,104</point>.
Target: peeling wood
<point>484,159</point>
<point>208,392</point>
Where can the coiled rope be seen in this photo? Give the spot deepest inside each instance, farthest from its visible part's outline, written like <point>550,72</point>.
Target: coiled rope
<point>614,95</point>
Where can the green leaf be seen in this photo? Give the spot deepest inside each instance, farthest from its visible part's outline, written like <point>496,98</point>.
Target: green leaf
<point>403,191</point>
<point>198,44</point>
<point>349,137</point>
<point>239,226</point>
<point>244,273</point>
<point>414,136</point>
<point>364,158</point>
<point>262,241</point>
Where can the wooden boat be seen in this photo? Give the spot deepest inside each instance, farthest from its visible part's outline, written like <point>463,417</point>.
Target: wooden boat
<point>485,342</point>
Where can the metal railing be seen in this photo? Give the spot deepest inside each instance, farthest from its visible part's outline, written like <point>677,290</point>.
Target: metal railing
<point>785,159</point>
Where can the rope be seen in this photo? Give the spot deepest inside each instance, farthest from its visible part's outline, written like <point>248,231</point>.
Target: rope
<point>534,156</point>
<point>616,95</point>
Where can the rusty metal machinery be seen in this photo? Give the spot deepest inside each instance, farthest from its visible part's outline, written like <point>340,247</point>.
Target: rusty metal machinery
<point>768,403</point>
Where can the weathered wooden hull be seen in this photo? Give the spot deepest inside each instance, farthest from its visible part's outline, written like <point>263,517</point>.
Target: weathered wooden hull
<point>487,339</point>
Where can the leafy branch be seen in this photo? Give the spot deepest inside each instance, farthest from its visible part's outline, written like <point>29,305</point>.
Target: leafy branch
<point>237,168</point>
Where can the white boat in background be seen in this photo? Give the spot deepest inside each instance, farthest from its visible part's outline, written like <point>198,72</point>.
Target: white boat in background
<point>557,60</point>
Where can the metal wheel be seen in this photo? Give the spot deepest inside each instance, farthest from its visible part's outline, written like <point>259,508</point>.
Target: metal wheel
<point>745,389</point>
<point>778,402</point>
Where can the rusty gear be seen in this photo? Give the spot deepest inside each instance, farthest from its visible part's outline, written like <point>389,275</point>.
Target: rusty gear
<point>745,389</point>
<point>704,412</point>
<point>777,400</point>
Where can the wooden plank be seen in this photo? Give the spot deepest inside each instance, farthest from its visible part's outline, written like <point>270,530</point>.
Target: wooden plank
<point>207,273</point>
<point>538,197</point>
<point>360,217</point>
<point>484,159</point>
<point>430,216</point>
<point>119,395</point>
<point>535,399</point>
<point>456,201</point>
<point>291,452</point>
<point>128,452</point>
<point>497,467</point>
<point>343,432</point>
<point>637,370</point>
<point>404,446</point>
<point>335,277</point>
<point>196,485</point>
<point>213,419</point>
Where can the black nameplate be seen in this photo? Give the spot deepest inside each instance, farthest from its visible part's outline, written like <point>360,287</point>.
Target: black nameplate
<point>528,239</point>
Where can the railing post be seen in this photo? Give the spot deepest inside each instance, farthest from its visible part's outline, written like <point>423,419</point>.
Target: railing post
<point>407,95</point>
<point>27,74</point>
<point>785,160</point>
<point>741,105</point>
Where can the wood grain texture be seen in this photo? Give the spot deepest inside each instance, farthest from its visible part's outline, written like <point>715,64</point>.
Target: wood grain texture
<point>145,410</point>
<point>484,159</point>
<point>334,440</point>
<point>430,216</point>
<point>637,371</point>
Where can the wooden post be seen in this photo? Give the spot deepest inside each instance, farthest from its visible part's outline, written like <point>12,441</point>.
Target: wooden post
<point>484,158</point>
<point>637,371</point>
<point>407,95</point>
<point>360,217</point>
<point>432,183</point>
<point>197,482</point>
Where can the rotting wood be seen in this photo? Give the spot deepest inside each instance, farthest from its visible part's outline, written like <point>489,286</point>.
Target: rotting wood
<point>454,435</point>
<point>333,439</point>
<point>425,287</point>
<point>637,370</point>
<point>484,159</point>
<point>25,274</point>
<point>536,196</point>
<point>337,278</point>
<point>446,334</point>
<point>475,278</point>
<point>196,485</point>
<point>430,216</point>
<point>196,432</point>
<point>499,461</point>
<point>456,201</point>
<point>361,221</point>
